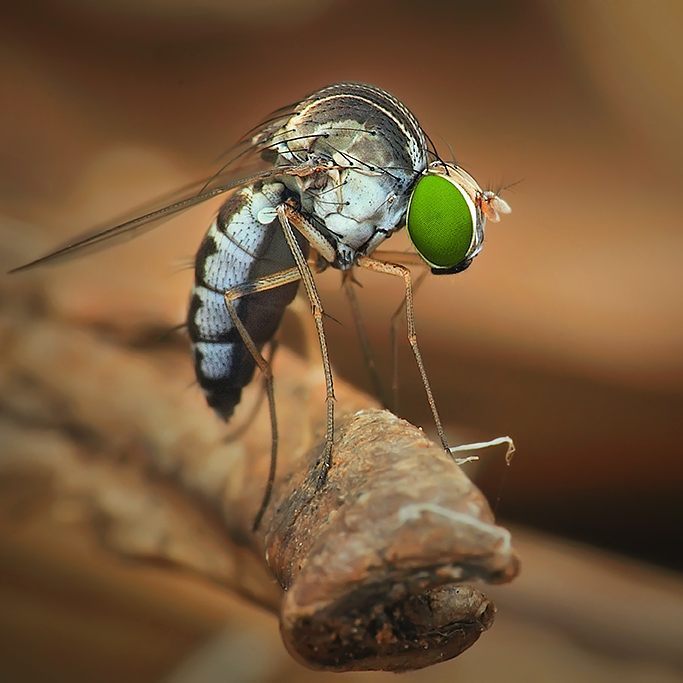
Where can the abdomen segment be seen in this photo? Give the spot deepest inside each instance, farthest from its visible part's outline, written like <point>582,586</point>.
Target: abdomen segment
<point>236,250</point>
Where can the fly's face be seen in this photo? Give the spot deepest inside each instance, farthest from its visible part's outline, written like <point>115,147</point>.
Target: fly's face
<point>446,216</point>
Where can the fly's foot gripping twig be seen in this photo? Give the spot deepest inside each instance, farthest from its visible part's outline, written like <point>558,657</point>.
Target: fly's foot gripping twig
<point>322,468</point>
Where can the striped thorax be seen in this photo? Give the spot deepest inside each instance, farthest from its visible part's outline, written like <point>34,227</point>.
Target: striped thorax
<point>377,151</point>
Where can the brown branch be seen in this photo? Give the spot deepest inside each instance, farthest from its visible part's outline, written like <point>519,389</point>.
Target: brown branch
<point>372,572</point>
<point>374,565</point>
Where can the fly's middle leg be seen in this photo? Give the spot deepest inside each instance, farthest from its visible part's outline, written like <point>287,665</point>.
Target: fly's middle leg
<point>348,284</point>
<point>263,284</point>
<point>289,217</point>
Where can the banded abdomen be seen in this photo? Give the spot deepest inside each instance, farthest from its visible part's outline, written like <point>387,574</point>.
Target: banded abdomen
<point>237,249</point>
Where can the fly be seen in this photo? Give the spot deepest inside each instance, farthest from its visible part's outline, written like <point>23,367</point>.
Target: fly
<point>345,168</point>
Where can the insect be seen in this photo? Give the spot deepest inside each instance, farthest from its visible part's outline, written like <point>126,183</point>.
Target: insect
<point>340,171</point>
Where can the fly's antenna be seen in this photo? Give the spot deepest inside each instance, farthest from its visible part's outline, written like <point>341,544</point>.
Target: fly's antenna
<point>504,188</point>
<point>447,165</point>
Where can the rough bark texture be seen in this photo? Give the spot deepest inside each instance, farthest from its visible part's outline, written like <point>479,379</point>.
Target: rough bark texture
<point>374,565</point>
<point>373,571</point>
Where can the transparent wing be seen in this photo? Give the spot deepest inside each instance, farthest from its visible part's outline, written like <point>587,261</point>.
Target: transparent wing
<point>251,159</point>
<point>99,238</point>
<point>244,165</point>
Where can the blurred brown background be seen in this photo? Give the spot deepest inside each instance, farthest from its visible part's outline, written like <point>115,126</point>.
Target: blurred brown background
<point>566,333</point>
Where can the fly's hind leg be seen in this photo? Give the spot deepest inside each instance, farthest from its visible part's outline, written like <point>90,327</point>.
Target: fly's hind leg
<point>273,281</point>
<point>403,272</point>
<point>239,430</point>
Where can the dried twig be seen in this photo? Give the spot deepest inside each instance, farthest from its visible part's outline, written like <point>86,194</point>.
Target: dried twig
<point>373,570</point>
<point>374,564</point>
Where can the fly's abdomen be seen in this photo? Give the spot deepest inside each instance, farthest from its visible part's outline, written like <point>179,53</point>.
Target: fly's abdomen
<point>237,250</point>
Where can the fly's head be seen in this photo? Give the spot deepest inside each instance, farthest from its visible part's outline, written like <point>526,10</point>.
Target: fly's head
<point>446,215</point>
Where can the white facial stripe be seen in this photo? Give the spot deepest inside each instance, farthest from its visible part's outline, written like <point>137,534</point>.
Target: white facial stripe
<point>473,213</point>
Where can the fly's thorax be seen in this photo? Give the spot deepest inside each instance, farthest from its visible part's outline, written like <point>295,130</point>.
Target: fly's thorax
<point>365,204</point>
<point>376,150</point>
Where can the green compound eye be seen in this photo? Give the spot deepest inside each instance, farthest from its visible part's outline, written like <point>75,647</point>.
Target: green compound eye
<point>441,220</point>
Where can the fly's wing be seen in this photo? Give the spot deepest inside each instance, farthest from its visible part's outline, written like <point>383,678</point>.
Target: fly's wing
<point>245,165</point>
<point>257,149</point>
<point>100,238</point>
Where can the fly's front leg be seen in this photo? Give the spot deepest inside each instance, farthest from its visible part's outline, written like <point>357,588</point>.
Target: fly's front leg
<point>403,272</point>
<point>393,336</point>
<point>290,217</point>
<point>406,259</point>
<point>278,279</point>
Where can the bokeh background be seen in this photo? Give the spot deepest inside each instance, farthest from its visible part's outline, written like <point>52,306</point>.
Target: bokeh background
<point>566,333</point>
